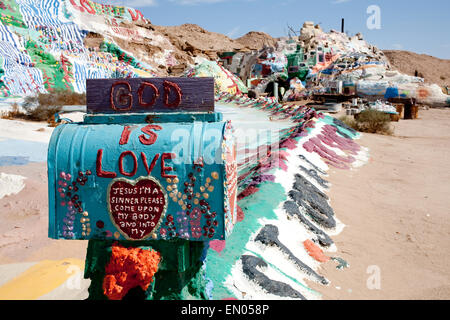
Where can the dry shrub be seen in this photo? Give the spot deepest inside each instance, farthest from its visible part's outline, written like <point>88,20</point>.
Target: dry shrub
<point>43,106</point>
<point>60,98</point>
<point>370,121</point>
<point>373,121</point>
<point>349,121</point>
<point>14,113</point>
<point>43,113</point>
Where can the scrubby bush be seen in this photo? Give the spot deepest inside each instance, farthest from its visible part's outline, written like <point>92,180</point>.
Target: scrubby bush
<point>370,121</point>
<point>42,113</point>
<point>43,106</point>
<point>349,121</point>
<point>14,113</point>
<point>56,98</point>
<point>373,121</point>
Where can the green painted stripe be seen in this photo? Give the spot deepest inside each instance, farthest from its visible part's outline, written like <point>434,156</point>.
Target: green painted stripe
<point>257,206</point>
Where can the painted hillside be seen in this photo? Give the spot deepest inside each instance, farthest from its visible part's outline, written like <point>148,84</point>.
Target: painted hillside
<point>51,44</point>
<point>48,44</point>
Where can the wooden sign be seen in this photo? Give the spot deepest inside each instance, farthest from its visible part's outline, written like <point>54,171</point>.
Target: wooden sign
<point>142,95</point>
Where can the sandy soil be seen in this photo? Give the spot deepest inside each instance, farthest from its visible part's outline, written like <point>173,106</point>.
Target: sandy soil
<point>396,211</point>
<point>24,216</point>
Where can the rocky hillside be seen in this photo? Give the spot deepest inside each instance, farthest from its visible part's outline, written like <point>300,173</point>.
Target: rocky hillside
<point>432,69</point>
<point>256,40</point>
<point>195,39</point>
<point>58,44</point>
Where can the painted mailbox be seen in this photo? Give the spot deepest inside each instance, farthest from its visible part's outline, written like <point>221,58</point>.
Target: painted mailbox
<point>151,161</point>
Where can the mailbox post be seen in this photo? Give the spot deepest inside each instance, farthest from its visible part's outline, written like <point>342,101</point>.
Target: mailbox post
<point>149,178</point>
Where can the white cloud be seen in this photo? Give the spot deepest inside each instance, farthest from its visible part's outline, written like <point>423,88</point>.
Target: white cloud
<point>233,32</point>
<point>195,2</point>
<point>130,3</point>
<point>340,1</point>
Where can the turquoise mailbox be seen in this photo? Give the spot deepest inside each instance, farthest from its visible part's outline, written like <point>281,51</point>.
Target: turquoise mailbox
<point>150,161</point>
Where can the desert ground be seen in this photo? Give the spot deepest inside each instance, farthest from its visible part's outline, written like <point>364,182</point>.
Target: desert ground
<point>396,212</point>
<point>395,209</point>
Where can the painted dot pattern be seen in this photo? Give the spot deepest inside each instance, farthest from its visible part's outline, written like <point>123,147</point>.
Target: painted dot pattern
<point>68,187</point>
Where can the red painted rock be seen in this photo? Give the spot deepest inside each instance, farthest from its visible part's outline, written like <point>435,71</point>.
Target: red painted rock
<point>315,252</point>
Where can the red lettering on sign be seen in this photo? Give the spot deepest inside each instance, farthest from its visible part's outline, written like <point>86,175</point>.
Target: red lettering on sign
<point>163,165</point>
<point>152,135</point>
<point>141,91</point>
<point>168,88</point>
<point>121,97</point>
<point>135,164</point>
<point>125,135</point>
<point>100,172</point>
<point>152,165</point>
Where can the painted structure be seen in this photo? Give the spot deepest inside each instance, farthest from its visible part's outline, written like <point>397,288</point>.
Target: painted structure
<point>324,61</point>
<point>284,230</point>
<point>164,182</point>
<point>42,45</point>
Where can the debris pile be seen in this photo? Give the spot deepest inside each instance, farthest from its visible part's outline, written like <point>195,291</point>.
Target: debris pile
<point>329,63</point>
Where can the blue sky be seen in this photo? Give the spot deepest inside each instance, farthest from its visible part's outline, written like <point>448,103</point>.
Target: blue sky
<point>419,26</point>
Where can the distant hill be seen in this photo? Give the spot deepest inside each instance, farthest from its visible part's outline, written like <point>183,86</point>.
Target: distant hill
<point>256,40</point>
<point>432,69</point>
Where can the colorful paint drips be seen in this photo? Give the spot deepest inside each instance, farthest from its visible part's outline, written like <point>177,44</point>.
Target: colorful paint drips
<point>313,139</point>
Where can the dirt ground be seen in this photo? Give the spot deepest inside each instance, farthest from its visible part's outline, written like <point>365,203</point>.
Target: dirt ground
<point>396,212</point>
<point>395,208</point>
<point>23,231</point>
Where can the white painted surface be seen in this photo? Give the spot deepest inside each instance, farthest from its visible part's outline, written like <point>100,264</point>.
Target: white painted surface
<point>10,184</point>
